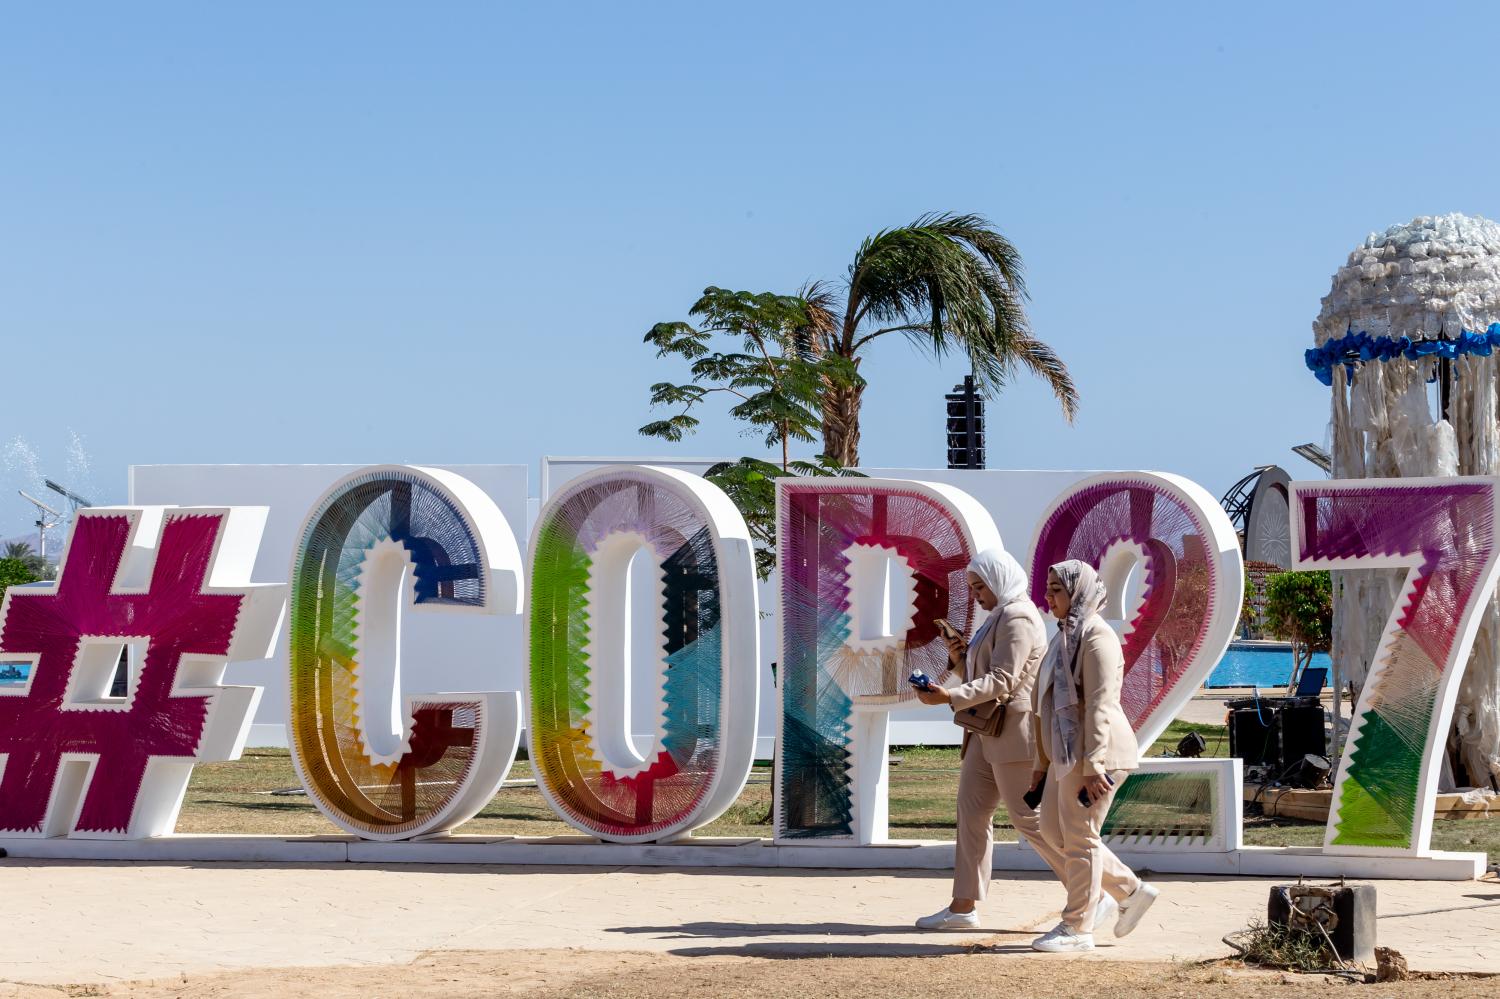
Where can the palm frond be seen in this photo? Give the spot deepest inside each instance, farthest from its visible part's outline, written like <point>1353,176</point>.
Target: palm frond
<point>1042,361</point>
<point>816,335</point>
<point>951,282</point>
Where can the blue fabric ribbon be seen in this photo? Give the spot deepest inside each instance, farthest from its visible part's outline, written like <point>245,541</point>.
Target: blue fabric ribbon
<point>1357,348</point>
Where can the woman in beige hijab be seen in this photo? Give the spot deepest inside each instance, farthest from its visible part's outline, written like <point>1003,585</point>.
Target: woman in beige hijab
<point>1085,749</point>
<point>999,664</point>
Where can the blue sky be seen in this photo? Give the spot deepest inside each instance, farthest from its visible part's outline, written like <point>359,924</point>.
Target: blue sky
<point>366,232</point>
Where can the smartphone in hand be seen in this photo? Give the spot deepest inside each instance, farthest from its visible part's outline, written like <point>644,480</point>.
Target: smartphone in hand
<point>1033,798</point>
<point>1083,793</point>
<point>946,629</point>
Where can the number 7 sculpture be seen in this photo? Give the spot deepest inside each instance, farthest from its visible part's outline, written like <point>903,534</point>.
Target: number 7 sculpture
<point>1442,532</point>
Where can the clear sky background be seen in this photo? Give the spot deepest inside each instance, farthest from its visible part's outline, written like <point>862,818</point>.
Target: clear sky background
<point>437,233</point>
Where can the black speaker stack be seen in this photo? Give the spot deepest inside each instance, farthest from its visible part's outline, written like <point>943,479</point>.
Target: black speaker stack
<point>1276,734</point>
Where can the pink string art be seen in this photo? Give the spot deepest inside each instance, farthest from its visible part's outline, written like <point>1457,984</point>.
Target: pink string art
<point>1168,630</point>
<point>47,722</point>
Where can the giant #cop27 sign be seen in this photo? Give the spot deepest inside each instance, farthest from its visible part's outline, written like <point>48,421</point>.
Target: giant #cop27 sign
<point>866,565</point>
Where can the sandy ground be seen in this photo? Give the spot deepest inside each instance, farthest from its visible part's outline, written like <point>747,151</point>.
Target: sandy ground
<point>334,930</point>
<point>991,969</point>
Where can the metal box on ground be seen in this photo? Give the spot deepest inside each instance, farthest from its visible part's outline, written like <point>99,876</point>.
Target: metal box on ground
<point>1345,912</point>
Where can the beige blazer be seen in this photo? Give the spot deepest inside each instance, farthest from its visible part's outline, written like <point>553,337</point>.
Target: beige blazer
<point>1003,667</point>
<point>1109,742</point>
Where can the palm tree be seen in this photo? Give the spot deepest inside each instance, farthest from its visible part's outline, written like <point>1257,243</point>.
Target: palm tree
<point>945,282</point>
<point>22,552</point>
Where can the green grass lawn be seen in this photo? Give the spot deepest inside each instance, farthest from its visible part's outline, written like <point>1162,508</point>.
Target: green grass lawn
<point>235,798</point>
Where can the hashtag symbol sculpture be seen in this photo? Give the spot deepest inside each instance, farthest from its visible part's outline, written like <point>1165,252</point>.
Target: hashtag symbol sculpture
<point>171,582</point>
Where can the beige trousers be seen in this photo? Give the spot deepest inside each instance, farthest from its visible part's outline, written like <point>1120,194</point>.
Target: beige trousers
<point>1087,865</point>
<point>981,787</point>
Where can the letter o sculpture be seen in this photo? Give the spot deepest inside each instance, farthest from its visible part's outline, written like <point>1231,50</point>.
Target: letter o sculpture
<point>377,541</point>
<point>582,546</point>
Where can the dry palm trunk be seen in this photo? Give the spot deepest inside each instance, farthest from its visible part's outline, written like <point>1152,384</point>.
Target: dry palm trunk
<point>841,424</point>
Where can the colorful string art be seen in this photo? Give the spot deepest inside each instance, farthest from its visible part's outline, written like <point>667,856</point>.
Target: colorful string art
<point>378,765</point>
<point>587,765</point>
<point>1174,809</point>
<point>1181,545</point>
<point>833,665</point>
<point>173,584</point>
<point>1171,565</point>
<point>1442,531</point>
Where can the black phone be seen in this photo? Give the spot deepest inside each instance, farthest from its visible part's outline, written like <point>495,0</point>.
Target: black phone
<point>1083,794</point>
<point>1033,798</point>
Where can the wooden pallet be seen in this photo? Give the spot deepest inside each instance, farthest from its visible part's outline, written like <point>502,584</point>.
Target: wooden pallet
<point>1313,806</point>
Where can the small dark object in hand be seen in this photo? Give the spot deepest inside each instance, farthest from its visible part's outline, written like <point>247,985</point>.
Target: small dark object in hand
<point>1083,793</point>
<point>1033,798</point>
<point>920,680</point>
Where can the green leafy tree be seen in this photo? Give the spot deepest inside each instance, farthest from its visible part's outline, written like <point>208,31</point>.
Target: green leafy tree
<point>15,571</point>
<point>776,375</point>
<point>1299,609</point>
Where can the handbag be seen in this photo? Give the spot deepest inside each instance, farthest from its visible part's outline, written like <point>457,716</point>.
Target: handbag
<point>982,719</point>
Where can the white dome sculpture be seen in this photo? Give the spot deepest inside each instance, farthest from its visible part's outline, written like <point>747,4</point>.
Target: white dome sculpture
<point>1437,274</point>
<point>1431,278</point>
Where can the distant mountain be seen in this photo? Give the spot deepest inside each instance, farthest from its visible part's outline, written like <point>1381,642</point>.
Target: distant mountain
<point>28,538</point>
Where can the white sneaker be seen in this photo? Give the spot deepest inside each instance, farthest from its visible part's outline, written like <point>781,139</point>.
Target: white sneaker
<point>1106,912</point>
<point>1134,907</point>
<point>950,920</point>
<point>1063,939</point>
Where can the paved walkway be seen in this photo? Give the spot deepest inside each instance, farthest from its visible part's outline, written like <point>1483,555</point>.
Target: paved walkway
<point>78,922</point>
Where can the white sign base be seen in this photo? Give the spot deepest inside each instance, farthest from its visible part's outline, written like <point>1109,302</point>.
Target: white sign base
<point>578,851</point>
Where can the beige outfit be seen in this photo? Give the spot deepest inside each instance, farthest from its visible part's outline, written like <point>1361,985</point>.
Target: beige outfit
<point>1108,746</point>
<point>1003,667</point>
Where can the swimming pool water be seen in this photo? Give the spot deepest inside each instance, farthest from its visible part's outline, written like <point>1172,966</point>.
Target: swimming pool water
<point>1257,668</point>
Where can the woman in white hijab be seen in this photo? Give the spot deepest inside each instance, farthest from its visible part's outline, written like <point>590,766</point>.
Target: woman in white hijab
<point>999,664</point>
<point>1085,749</point>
